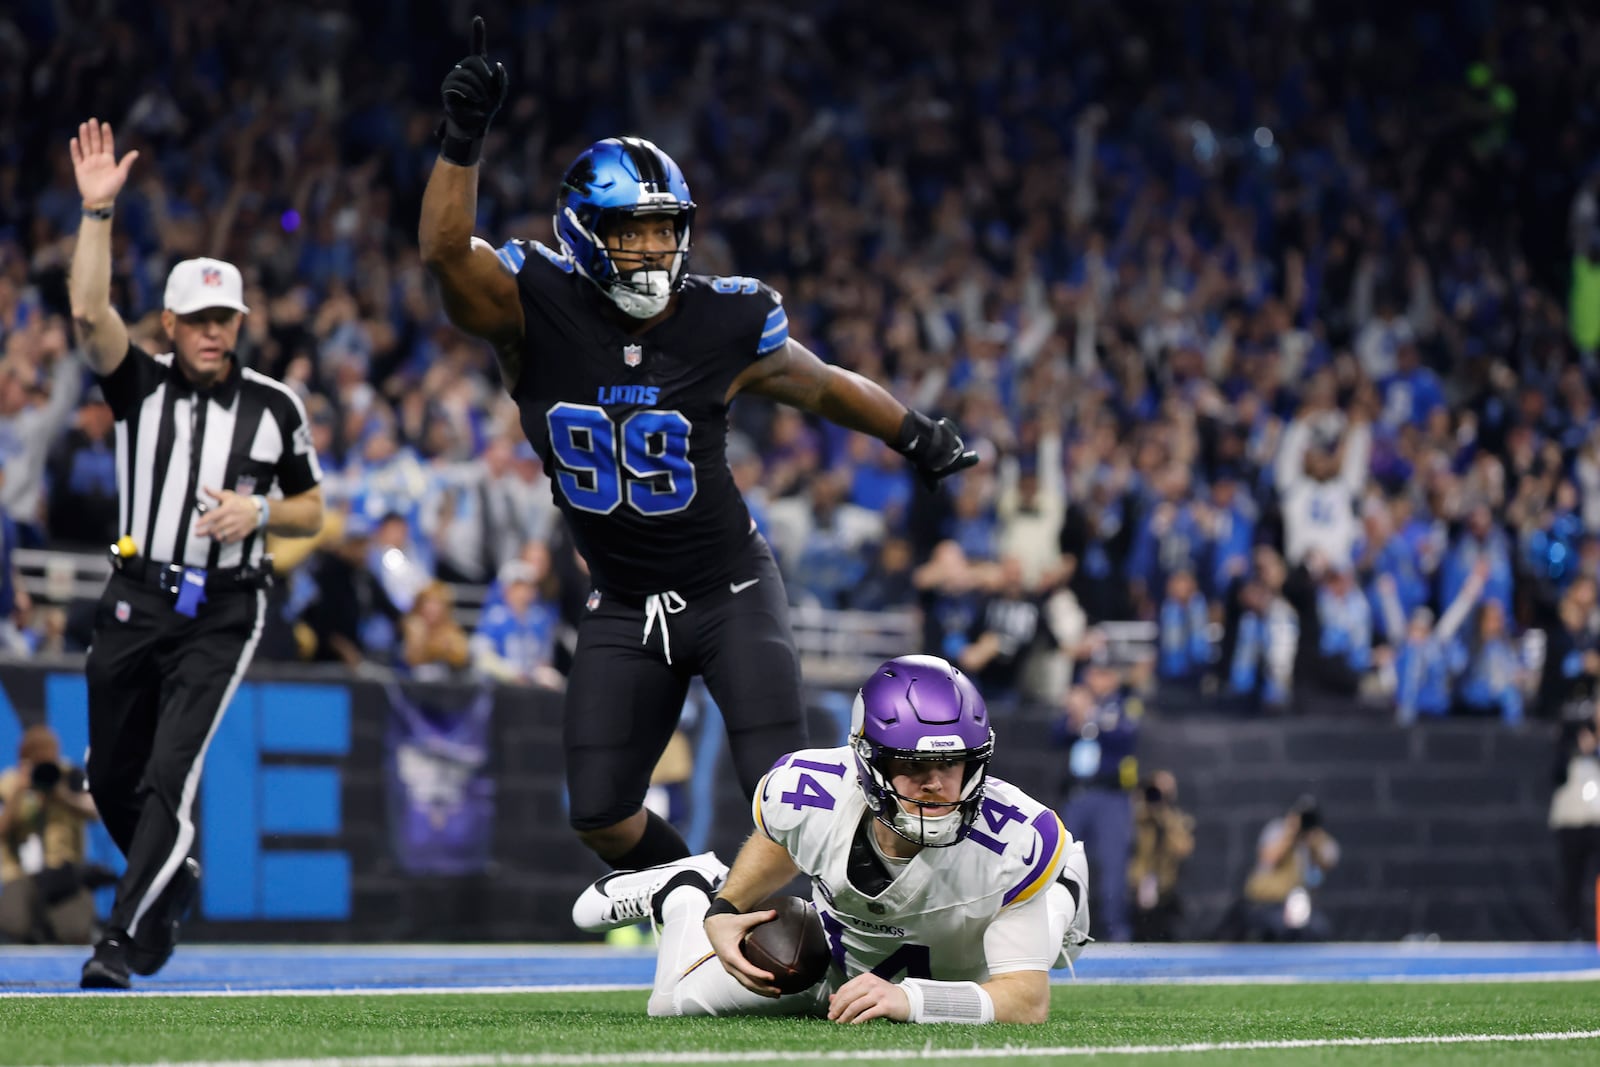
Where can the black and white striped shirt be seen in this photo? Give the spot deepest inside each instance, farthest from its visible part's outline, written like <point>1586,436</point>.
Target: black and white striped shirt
<point>252,437</point>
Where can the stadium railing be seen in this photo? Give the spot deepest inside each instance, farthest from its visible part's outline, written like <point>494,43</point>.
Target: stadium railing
<point>841,647</point>
<point>837,647</point>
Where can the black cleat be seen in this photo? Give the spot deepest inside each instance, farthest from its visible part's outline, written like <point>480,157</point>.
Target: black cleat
<point>152,946</point>
<point>108,967</point>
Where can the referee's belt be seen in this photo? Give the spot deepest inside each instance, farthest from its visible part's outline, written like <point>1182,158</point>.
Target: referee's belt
<point>168,577</point>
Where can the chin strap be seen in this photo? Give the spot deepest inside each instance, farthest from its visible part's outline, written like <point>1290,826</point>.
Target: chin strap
<point>929,830</point>
<point>642,304</point>
<point>637,305</point>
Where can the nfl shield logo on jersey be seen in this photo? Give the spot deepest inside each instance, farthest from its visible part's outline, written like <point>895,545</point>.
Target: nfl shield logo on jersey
<point>632,355</point>
<point>245,485</point>
<point>594,600</point>
<point>124,611</point>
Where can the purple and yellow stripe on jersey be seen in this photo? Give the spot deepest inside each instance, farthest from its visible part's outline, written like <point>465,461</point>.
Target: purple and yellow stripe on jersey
<point>774,332</point>
<point>1052,838</point>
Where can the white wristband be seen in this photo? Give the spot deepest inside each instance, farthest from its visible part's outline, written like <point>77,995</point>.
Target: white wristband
<point>266,510</point>
<point>947,1002</point>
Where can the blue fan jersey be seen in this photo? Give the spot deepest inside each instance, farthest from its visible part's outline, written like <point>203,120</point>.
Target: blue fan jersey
<point>632,428</point>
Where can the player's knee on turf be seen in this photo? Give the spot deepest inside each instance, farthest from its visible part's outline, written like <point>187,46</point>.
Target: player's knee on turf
<point>709,991</point>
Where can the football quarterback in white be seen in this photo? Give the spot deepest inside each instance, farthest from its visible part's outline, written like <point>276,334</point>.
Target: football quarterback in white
<point>947,895</point>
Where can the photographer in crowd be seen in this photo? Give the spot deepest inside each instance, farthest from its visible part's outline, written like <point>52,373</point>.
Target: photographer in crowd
<point>45,885</point>
<point>1293,854</point>
<point>1163,837</point>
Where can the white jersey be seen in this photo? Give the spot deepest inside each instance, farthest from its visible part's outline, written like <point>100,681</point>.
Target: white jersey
<point>1321,515</point>
<point>960,913</point>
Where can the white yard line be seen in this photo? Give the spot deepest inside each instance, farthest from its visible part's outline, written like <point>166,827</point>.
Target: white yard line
<point>779,1056</point>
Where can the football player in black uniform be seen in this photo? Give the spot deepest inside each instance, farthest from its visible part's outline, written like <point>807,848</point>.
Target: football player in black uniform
<point>622,365</point>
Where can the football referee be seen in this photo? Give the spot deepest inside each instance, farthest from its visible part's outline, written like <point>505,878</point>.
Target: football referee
<point>210,458</point>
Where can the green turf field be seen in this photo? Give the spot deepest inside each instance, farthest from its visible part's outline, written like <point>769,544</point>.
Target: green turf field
<point>1348,1024</point>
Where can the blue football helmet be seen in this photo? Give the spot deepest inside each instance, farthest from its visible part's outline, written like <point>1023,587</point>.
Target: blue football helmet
<point>921,708</point>
<point>623,176</point>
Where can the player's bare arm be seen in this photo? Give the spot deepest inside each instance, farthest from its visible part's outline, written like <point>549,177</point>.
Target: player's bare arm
<point>1020,997</point>
<point>480,295</point>
<point>794,375</point>
<point>101,176</point>
<point>762,868</point>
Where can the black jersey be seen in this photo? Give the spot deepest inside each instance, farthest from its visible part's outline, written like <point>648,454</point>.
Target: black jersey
<point>633,428</point>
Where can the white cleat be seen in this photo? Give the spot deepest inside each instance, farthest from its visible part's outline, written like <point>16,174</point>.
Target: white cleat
<point>623,898</point>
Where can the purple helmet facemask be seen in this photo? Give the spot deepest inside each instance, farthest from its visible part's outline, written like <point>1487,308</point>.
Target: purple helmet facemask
<point>920,708</point>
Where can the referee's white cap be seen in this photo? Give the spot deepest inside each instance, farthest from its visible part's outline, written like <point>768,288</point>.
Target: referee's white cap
<point>197,284</point>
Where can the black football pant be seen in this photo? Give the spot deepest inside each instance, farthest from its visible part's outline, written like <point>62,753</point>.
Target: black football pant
<point>624,697</point>
<point>159,683</point>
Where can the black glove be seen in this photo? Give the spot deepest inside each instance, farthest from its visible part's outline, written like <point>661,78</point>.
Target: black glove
<point>473,91</point>
<point>934,448</point>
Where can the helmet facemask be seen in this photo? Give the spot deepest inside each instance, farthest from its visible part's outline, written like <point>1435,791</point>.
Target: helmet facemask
<point>889,805</point>
<point>616,181</point>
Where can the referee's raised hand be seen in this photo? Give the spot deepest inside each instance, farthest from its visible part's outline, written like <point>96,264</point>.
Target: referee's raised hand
<point>94,163</point>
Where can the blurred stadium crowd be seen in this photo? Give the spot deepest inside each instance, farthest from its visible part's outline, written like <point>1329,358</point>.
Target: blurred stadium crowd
<point>1276,322</point>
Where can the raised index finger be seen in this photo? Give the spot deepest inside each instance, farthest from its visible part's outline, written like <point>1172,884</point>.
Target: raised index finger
<point>480,42</point>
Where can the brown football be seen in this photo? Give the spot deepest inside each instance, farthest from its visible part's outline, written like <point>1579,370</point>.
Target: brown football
<point>793,946</point>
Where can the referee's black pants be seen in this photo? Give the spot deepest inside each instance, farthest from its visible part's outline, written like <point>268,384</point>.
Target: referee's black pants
<point>159,683</point>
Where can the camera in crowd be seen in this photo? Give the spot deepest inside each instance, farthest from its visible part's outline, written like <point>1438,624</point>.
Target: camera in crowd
<point>1310,814</point>
<point>47,775</point>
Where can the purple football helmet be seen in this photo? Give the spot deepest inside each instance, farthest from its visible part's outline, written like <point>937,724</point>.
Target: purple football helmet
<point>920,708</point>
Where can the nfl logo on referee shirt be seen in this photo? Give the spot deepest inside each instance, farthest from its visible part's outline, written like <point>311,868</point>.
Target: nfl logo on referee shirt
<point>124,611</point>
<point>632,355</point>
<point>594,600</point>
<point>245,485</point>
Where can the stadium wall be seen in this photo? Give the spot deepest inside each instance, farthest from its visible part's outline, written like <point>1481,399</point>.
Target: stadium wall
<point>334,810</point>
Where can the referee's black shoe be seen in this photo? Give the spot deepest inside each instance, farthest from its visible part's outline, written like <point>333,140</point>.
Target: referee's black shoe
<point>151,948</point>
<point>108,967</point>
